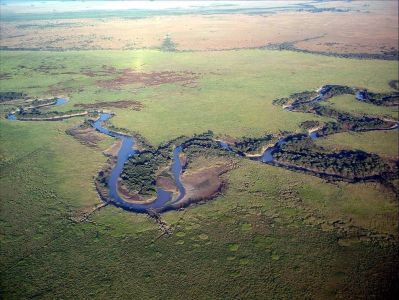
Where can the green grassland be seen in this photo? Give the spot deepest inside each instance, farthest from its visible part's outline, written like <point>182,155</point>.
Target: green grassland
<point>272,234</point>
<point>348,103</point>
<point>253,242</point>
<point>46,177</point>
<point>233,94</point>
<point>384,143</point>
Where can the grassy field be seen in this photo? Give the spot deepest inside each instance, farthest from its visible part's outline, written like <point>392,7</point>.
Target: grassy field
<point>272,234</point>
<point>46,176</point>
<point>384,143</point>
<point>348,103</point>
<point>232,93</point>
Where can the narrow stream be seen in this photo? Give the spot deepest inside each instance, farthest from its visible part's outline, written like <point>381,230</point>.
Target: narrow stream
<point>11,116</point>
<point>176,171</point>
<point>267,156</point>
<point>320,97</point>
<point>59,101</point>
<point>163,198</point>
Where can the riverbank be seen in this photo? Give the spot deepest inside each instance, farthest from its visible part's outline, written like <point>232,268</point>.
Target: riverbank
<point>175,188</point>
<point>57,118</point>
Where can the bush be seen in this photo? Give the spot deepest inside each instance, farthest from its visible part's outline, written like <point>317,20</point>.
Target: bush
<point>168,44</point>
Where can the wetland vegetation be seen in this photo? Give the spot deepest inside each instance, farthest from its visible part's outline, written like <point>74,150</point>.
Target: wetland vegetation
<point>246,180</point>
<point>192,162</point>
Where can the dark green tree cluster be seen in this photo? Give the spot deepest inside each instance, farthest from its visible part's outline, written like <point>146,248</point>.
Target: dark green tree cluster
<point>139,172</point>
<point>330,128</point>
<point>297,98</point>
<point>381,99</point>
<point>281,101</point>
<point>248,144</point>
<point>351,122</point>
<point>36,113</point>
<point>309,124</point>
<point>7,96</point>
<point>197,147</point>
<point>336,90</point>
<point>301,151</point>
<point>39,102</point>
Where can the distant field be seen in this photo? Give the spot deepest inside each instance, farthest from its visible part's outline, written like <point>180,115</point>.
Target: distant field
<point>369,30</point>
<point>229,92</point>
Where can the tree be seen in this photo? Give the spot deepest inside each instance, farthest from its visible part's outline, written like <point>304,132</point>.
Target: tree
<point>168,44</point>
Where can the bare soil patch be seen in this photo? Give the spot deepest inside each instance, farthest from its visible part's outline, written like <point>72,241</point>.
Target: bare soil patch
<point>131,104</point>
<point>228,139</point>
<point>105,71</point>
<point>4,76</point>
<point>166,183</point>
<point>58,89</point>
<point>147,79</point>
<point>183,159</point>
<point>86,135</point>
<point>113,150</point>
<point>204,184</point>
<point>128,196</point>
<point>133,197</point>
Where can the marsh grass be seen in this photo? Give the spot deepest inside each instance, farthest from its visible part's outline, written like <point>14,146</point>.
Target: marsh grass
<point>270,233</point>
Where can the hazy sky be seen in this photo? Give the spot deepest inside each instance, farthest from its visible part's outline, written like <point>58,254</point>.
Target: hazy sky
<point>69,6</point>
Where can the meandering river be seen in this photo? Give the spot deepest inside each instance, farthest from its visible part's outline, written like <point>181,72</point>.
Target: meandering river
<point>164,200</point>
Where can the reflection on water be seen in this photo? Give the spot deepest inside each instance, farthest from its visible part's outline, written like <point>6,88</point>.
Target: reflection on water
<point>127,150</point>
